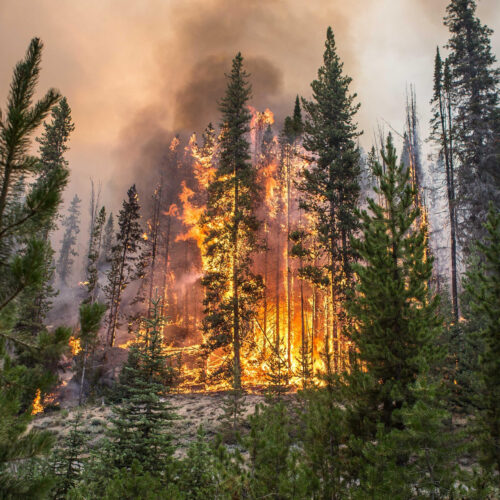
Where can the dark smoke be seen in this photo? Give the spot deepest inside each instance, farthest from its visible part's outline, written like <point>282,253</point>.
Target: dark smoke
<point>197,101</point>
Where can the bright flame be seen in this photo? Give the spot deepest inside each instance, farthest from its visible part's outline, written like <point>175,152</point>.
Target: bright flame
<point>75,345</point>
<point>37,403</point>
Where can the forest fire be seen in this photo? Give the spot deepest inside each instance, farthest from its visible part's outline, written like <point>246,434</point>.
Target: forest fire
<point>291,324</point>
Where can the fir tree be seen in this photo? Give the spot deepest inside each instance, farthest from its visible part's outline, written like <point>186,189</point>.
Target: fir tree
<point>140,423</point>
<point>274,470</point>
<point>230,241</point>
<point>21,253</point>
<point>23,258</point>
<point>67,253</point>
<point>125,260</point>
<point>442,132</point>
<point>483,285</point>
<point>330,186</point>
<point>95,242</point>
<point>395,320</point>
<point>91,315</point>
<point>474,97</point>
<point>36,300</point>
<point>108,240</point>
<point>67,459</point>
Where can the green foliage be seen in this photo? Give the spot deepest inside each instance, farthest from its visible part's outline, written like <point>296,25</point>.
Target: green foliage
<point>200,473</point>
<point>419,459</point>
<point>274,470</point>
<point>395,321</point>
<point>67,253</point>
<point>483,287</point>
<point>67,459</point>
<point>125,260</point>
<point>141,422</point>
<point>474,82</point>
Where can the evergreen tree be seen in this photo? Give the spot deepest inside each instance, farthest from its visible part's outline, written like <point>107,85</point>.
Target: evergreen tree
<point>395,321</point>
<point>23,258</point>
<point>67,459</point>
<point>36,300</point>
<point>21,253</point>
<point>418,460</point>
<point>200,472</point>
<point>274,471</point>
<point>108,240</point>
<point>67,253</point>
<point>141,422</point>
<point>483,285</point>
<point>231,287</point>
<point>91,315</point>
<point>95,242</point>
<point>474,96</point>
<point>442,132</point>
<point>330,186</point>
<point>124,261</point>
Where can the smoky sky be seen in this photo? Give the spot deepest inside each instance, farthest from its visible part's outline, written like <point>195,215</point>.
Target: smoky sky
<point>137,72</point>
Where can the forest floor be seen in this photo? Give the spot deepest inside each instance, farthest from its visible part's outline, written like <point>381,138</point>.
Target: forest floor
<point>192,411</point>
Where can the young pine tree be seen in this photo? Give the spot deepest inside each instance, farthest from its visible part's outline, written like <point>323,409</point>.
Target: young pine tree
<point>124,261</point>
<point>141,422</point>
<point>67,253</point>
<point>36,300</point>
<point>442,132</point>
<point>22,254</point>
<point>94,255</point>
<point>395,319</point>
<point>230,285</point>
<point>483,286</point>
<point>330,187</point>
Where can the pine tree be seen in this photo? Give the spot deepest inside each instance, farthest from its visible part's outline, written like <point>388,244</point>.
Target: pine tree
<point>36,301</point>
<point>442,132</point>
<point>68,252</point>
<point>474,98</point>
<point>330,186</point>
<point>273,465</point>
<point>91,315</point>
<point>108,240</point>
<point>23,261</point>
<point>395,322</point>
<point>125,260</point>
<point>483,285</point>
<point>418,459</point>
<point>67,459</point>
<point>20,212</point>
<point>95,242</point>
<point>231,287</point>
<point>140,423</point>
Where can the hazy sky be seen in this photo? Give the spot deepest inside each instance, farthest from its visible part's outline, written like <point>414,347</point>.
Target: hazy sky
<point>137,69</point>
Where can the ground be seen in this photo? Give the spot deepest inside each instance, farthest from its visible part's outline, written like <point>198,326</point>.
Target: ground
<point>192,410</point>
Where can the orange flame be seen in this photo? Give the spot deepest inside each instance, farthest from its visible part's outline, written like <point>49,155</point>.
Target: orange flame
<point>75,345</point>
<point>37,406</point>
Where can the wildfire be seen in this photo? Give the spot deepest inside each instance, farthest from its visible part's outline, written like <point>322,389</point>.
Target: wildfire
<point>144,236</point>
<point>37,406</point>
<point>75,345</point>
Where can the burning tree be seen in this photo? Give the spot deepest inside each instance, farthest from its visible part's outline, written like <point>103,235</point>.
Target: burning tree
<point>232,289</point>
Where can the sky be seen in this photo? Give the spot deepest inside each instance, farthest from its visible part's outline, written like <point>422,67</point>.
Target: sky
<point>136,71</point>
